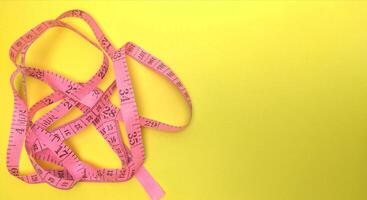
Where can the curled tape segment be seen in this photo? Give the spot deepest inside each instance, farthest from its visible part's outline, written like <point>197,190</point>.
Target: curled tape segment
<point>97,109</point>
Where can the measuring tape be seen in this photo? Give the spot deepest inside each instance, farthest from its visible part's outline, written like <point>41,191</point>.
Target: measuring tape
<point>48,145</point>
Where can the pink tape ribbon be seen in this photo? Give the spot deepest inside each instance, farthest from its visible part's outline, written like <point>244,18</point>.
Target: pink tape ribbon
<point>48,145</point>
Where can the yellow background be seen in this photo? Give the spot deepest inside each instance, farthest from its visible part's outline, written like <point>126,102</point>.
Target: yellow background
<point>279,92</point>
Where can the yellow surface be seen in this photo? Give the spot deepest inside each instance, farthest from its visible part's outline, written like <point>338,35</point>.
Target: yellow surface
<point>279,92</point>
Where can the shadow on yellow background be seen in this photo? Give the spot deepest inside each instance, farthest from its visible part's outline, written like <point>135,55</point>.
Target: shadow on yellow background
<point>279,91</point>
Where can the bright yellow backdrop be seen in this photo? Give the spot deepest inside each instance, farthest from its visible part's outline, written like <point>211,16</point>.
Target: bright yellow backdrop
<point>279,92</point>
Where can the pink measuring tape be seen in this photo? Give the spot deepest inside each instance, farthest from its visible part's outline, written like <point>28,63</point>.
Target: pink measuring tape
<point>48,145</point>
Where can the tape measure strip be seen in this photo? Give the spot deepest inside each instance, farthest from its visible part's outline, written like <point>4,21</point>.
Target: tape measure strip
<point>48,145</point>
